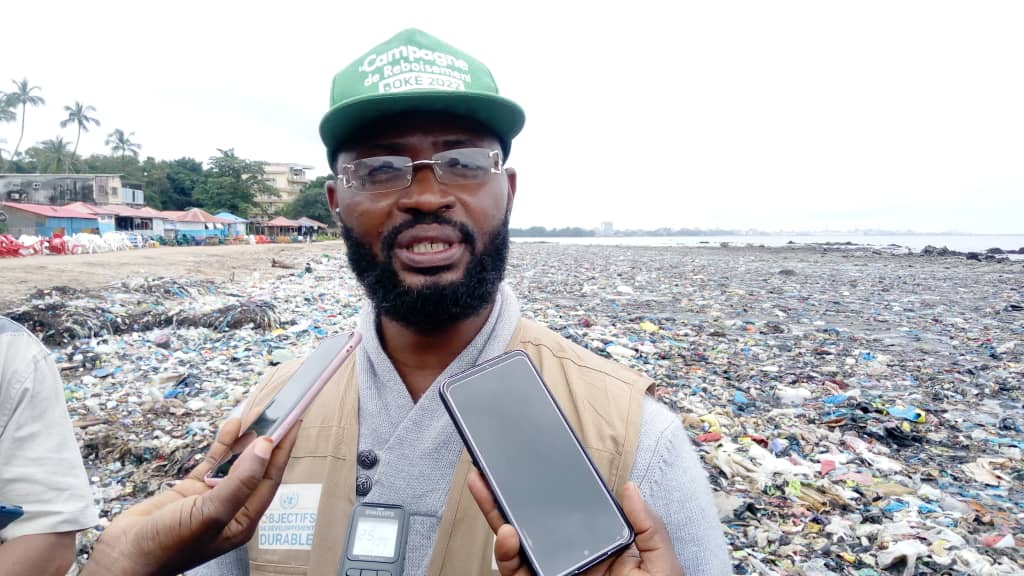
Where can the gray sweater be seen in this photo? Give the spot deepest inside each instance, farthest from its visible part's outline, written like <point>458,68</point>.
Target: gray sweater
<point>419,448</point>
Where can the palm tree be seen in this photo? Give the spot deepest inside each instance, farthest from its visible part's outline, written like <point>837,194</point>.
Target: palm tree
<point>24,97</point>
<point>122,144</point>
<point>7,111</point>
<point>54,154</point>
<point>79,114</point>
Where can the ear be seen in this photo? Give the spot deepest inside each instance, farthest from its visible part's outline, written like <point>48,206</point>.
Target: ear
<point>331,189</point>
<point>510,176</point>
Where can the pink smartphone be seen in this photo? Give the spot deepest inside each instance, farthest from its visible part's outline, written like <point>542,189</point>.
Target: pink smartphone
<point>285,409</point>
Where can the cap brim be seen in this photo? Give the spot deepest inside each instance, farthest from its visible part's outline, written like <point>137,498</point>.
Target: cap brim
<point>500,114</point>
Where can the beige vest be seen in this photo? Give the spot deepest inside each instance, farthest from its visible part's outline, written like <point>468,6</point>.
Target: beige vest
<point>602,400</point>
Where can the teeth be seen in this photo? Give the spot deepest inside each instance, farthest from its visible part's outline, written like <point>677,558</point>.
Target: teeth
<point>424,247</point>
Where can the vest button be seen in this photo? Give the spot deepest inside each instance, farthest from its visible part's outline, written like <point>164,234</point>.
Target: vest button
<point>363,485</point>
<point>367,459</point>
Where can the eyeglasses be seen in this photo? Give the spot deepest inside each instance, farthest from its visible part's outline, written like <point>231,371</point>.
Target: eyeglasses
<point>389,173</point>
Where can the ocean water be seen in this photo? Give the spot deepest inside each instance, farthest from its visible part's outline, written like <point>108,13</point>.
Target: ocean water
<point>961,243</point>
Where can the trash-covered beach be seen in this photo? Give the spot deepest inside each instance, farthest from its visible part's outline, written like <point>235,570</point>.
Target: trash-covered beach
<point>858,411</point>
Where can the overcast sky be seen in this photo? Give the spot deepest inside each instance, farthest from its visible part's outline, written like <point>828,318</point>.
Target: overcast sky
<point>770,115</point>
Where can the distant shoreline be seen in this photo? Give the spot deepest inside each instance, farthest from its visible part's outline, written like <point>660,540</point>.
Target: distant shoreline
<point>1009,243</point>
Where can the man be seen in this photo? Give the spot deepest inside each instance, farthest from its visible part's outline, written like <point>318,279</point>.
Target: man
<point>417,136</point>
<point>40,466</point>
<point>411,124</point>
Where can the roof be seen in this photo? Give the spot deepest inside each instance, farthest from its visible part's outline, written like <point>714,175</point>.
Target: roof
<point>48,211</point>
<point>20,175</point>
<point>282,221</point>
<point>89,208</point>
<point>132,212</point>
<point>117,210</point>
<point>229,216</point>
<point>194,215</point>
<point>307,221</point>
<point>152,212</point>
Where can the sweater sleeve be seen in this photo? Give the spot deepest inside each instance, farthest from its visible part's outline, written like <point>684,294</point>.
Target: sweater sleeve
<point>674,484</point>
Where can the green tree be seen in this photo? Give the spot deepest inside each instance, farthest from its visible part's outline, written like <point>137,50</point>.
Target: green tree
<point>7,107</point>
<point>23,96</point>
<point>121,143</point>
<point>232,184</point>
<point>311,202</point>
<point>51,156</point>
<point>183,176</point>
<point>79,115</point>
<point>154,181</point>
<point>103,164</point>
<point>7,114</point>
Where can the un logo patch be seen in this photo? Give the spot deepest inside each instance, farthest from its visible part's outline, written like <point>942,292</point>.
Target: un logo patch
<point>289,500</point>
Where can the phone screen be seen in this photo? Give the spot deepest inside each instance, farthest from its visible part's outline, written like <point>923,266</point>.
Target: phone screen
<point>313,368</point>
<point>535,466</point>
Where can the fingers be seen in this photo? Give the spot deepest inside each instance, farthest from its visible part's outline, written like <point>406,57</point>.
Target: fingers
<point>246,519</point>
<point>220,449</point>
<point>652,539</point>
<point>506,539</point>
<point>230,495</point>
<point>485,500</point>
<point>506,552</point>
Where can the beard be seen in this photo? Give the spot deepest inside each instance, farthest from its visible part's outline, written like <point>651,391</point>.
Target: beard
<point>434,306</point>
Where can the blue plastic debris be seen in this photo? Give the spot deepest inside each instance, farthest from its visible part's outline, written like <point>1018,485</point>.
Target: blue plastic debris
<point>836,399</point>
<point>895,506</point>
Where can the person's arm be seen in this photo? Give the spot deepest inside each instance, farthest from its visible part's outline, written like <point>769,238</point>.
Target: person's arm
<point>674,484</point>
<point>38,554</point>
<point>191,523</point>
<point>42,468</point>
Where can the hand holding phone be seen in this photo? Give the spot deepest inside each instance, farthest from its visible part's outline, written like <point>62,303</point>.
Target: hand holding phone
<point>192,523</point>
<point>288,405</point>
<point>542,479</point>
<point>652,552</point>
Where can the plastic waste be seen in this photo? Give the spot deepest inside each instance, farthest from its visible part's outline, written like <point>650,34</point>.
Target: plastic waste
<point>793,384</point>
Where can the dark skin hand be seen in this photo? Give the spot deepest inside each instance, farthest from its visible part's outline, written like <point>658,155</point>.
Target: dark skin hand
<point>192,523</point>
<point>650,555</point>
<point>418,358</point>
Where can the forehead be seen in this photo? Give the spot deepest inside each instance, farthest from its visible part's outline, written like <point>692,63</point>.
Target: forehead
<point>418,131</point>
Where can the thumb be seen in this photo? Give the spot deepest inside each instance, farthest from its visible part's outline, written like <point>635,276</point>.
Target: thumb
<point>652,541</point>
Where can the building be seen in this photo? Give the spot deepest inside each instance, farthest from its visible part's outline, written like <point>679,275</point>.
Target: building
<point>61,189</point>
<point>145,220</point>
<point>606,229</point>
<point>45,220</point>
<point>287,180</point>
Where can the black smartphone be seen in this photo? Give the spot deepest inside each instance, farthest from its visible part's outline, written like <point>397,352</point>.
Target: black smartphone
<point>543,480</point>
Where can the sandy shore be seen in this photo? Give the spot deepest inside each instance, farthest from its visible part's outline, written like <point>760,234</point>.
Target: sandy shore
<point>21,276</point>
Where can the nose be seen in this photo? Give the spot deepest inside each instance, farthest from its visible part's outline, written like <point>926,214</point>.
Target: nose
<point>426,194</point>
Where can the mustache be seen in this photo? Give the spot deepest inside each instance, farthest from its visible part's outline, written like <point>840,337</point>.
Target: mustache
<point>468,238</point>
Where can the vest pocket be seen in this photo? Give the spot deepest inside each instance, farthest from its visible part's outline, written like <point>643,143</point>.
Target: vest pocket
<point>265,569</point>
<point>320,440</point>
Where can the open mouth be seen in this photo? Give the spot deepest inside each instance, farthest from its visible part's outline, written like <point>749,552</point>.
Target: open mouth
<point>429,246</point>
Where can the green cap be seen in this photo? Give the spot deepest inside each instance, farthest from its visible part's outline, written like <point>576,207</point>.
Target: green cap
<point>414,71</point>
